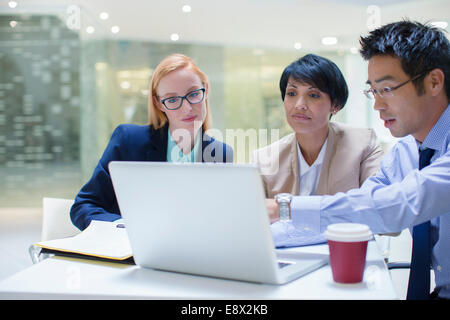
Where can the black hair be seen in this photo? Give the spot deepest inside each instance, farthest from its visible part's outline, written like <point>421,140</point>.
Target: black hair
<point>319,72</point>
<point>420,47</point>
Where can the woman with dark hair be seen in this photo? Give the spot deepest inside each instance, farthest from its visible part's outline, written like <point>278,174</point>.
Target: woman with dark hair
<point>319,157</point>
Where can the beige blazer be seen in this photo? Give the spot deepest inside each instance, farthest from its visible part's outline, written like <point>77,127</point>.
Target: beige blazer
<point>352,155</point>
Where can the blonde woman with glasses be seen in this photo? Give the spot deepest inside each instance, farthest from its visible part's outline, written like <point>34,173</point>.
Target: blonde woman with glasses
<point>179,115</point>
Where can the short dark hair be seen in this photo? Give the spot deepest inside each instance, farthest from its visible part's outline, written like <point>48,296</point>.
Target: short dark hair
<point>318,72</point>
<point>420,47</point>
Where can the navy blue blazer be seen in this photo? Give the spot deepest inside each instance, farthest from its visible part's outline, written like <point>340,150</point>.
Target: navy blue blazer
<point>129,142</point>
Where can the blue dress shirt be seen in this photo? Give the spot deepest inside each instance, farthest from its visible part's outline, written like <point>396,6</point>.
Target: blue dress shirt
<point>399,196</point>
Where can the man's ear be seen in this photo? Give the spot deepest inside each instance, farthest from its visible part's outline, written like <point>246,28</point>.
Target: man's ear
<point>435,81</point>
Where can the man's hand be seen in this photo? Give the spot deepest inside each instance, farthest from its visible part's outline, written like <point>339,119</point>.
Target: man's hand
<point>272,210</point>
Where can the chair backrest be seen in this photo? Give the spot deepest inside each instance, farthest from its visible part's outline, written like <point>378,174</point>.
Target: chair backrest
<point>56,221</point>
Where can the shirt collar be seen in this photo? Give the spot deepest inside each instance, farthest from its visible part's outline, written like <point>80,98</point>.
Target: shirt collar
<point>303,165</point>
<point>439,133</point>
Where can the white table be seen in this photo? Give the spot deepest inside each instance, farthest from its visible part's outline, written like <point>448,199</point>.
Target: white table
<point>71,278</point>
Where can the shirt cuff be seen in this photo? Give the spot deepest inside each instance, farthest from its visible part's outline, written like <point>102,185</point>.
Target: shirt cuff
<point>305,213</point>
<point>286,235</point>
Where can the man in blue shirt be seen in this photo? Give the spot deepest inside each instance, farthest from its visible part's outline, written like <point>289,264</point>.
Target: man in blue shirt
<point>409,78</point>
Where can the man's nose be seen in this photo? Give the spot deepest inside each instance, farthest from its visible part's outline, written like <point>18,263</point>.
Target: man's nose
<point>379,103</point>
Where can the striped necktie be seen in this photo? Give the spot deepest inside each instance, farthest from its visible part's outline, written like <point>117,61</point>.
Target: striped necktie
<point>419,276</point>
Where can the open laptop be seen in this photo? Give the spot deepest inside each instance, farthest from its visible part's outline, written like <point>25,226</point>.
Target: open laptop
<point>203,218</point>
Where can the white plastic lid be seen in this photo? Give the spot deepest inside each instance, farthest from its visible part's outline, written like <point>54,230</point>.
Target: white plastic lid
<point>348,232</point>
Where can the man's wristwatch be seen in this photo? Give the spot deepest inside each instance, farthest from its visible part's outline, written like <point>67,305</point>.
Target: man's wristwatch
<point>284,204</point>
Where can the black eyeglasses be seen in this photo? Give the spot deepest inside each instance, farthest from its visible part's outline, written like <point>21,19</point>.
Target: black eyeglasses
<point>193,97</point>
<point>387,91</point>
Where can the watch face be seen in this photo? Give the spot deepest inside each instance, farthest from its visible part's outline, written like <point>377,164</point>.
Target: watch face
<point>283,197</point>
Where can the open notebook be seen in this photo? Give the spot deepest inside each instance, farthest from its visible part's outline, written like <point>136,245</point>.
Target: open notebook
<point>102,239</point>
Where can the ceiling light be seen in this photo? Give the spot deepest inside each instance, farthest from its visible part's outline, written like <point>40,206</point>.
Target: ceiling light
<point>440,24</point>
<point>12,4</point>
<point>328,41</point>
<point>104,15</point>
<point>90,29</point>
<point>186,8</point>
<point>297,45</point>
<point>115,29</point>
<point>125,85</point>
<point>174,37</point>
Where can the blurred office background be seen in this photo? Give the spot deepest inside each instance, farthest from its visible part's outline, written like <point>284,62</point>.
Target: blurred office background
<point>72,70</point>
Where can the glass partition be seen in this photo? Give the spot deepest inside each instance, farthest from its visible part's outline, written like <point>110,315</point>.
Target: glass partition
<point>64,88</point>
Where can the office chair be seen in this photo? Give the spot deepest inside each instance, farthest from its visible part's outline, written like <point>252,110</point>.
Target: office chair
<point>56,223</point>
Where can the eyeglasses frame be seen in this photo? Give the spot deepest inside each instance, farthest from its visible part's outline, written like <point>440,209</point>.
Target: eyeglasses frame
<point>383,90</point>
<point>163,101</point>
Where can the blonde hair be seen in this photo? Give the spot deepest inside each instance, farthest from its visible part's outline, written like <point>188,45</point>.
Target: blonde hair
<point>177,61</point>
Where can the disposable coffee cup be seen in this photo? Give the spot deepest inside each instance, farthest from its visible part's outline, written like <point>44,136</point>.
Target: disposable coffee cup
<point>347,243</point>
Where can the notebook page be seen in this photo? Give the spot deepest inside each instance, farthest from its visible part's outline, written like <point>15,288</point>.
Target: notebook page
<point>101,239</point>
